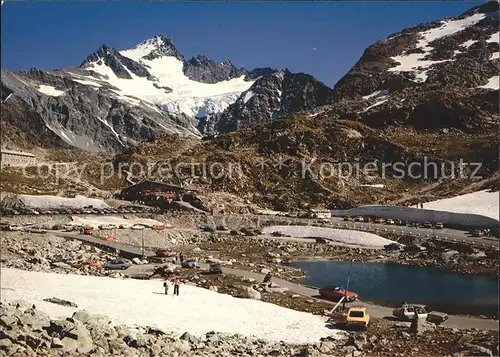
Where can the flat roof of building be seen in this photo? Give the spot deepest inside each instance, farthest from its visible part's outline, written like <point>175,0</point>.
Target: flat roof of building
<point>20,153</point>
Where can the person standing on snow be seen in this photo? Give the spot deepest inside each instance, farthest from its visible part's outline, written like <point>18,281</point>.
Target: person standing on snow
<point>166,285</point>
<point>177,282</point>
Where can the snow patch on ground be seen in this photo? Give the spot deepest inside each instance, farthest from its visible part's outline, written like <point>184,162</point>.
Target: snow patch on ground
<point>375,104</point>
<point>344,236</point>
<point>415,62</point>
<point>50,91</point>
<point>142,302</point>
<point>110,127</point>
<point>495,37</point>
<point>376,93</point>
<point>7,98</point>
<point>248,95</point>
<point>87,82</point>
<point>483,203</point>
<point>95,222</point>
<point>377,185</point>
<point>48,201</point>
<point>493,83</point>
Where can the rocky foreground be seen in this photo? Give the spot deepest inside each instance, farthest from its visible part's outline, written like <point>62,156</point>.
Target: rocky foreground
<point>27,331</point>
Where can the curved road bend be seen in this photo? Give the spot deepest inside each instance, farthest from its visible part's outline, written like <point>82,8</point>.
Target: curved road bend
<point>125,248</point>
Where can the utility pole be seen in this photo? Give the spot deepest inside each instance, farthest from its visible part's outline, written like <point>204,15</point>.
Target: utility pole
<point>347,284</point>
<point>142,243</point>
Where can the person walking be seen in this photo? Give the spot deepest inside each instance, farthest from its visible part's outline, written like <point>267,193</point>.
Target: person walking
<point>177,282</point>
<point>166,285</point>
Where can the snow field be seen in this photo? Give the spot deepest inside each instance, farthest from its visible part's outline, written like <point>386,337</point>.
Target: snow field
<point>49,90</point>
<point>414,62</point>
<point>493,82</point>
<point>344,236</point>
<point>142,302</point>
<point>47,201</point>
<point>97,221</point>
<point>484,203</point>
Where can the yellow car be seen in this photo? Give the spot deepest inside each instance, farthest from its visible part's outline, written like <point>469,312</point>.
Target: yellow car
<point>357,317</point>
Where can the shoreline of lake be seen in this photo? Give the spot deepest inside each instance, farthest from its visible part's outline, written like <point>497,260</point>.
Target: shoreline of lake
<point>464,307</point>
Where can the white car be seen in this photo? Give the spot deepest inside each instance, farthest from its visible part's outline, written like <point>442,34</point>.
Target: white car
<point>407,312</point>
<point>359,219</point>
<point>138,226</point>
<point>390,221</point>
<point>15,227</point>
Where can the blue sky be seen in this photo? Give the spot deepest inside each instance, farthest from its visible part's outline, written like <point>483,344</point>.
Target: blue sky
<point>324,39</point>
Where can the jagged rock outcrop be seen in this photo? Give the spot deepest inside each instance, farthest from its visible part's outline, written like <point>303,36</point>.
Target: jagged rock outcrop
<point>120,65</point>
<point>203,69</point>
<point>275,95</point>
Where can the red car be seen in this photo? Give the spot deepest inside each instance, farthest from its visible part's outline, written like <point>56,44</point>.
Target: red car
<point>336,293</point>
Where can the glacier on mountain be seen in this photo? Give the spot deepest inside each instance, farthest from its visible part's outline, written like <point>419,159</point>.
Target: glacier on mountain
<point>169,89</point>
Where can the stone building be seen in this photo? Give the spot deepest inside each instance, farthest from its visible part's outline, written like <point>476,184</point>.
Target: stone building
<point>9,158</point>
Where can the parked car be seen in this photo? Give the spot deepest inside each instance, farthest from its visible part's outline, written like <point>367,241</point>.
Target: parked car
<point>15,227</point>
<point>337,293</point>
<point>424,312</point>
<point>138,226</point>
<point>414,248</point>
<point>477,233</point>
<point>428,224</point>
<point>392,246</point>
<point>117,264</point>
<point>207,229</point>
<point>379,220</point>
<point>390,221</point>
<point>165,253</point>
<point>346,218</point>
<point>407,312</point>
<point>92,264</point>
<point>357,317</point>
<point>36,230</point>
<point>190,263</point>
<point>221,228</point>
<point>439,225</point>
<point>215,268</point>
<point>359,219</point>
<point>398,222</point>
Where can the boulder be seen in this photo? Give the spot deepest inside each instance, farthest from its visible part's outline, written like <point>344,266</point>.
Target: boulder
<point>72,334</point>
<point>248,292</point>
<point>186,336</point>
<point>62,302</point>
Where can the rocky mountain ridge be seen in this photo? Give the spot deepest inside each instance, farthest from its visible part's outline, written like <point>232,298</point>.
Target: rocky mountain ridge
<point>115,99</point>
<point>437,76</point>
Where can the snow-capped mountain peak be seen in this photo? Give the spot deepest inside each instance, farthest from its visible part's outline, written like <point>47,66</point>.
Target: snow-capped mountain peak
<point>155,47</point>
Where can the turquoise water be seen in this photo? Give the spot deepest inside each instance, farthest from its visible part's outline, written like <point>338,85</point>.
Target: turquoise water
<point>391,284</point>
